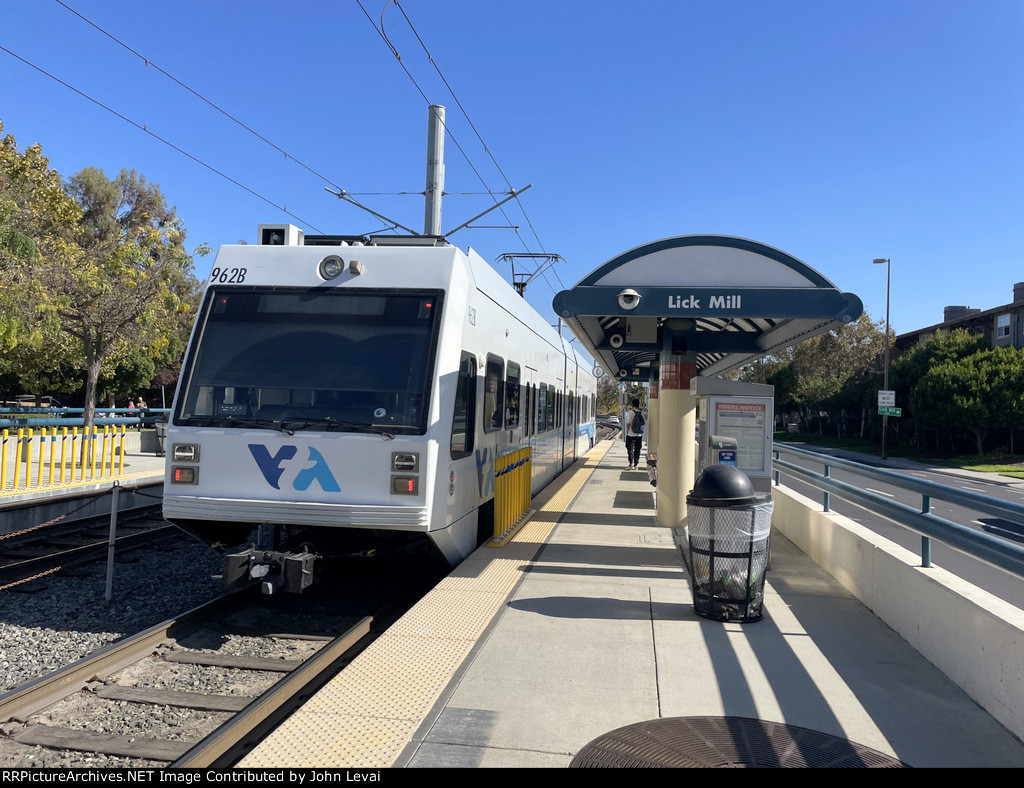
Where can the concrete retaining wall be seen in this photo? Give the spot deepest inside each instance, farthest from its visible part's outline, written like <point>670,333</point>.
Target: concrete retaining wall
<point>18,512</point>
<point>973,637</point>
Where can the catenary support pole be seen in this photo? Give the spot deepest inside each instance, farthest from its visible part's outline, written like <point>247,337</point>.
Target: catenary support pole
<point>111,539</point>
<point>435,170</point>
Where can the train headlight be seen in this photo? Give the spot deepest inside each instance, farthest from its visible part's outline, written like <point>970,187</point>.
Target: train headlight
<point>331,267</point>
<point>185,452</point>
<point>404,462</point>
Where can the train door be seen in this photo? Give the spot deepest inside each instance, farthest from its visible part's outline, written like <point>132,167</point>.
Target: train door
<point>529,397</point>
<point>568,412</point>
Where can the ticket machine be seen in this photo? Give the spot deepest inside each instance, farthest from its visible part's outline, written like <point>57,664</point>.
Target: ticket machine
<point>735,423</point>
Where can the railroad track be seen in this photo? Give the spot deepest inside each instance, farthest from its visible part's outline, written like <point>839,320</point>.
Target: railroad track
<point>241,696</point>
<point>201,690</point>
<point>49,547</point>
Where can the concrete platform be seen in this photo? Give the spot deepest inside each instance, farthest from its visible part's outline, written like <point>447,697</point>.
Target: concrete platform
<point>27,507</point>
<point>584,624</point>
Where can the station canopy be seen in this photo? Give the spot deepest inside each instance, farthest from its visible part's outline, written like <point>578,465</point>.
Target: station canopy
<point>729,300</point>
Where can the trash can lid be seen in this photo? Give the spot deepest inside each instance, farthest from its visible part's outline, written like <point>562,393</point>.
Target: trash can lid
<point>724,485</point>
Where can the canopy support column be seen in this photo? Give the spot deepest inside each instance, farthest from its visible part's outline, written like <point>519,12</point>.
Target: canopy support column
<point>677,417</point>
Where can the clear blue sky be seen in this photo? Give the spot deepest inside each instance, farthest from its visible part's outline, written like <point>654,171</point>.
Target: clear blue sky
<point>835,131</point>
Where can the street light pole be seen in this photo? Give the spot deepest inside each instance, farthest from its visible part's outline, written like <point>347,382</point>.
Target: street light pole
<point>885,373</point>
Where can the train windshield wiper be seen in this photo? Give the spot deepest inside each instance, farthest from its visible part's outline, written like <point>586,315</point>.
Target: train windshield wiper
<point>330,423</point>
<point>235,421</point>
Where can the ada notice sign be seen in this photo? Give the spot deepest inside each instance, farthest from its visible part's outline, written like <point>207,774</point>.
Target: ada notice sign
<point>890,411</point>
<point>886,398</point>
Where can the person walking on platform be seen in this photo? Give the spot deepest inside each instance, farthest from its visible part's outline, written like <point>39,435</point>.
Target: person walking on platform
<point>634,432</point>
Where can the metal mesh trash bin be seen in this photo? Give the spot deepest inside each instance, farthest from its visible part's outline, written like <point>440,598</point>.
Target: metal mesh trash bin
<point>728,528</point>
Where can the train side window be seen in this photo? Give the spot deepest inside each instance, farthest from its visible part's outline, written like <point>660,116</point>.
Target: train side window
<point>494,394</point>
<point>465,406</point>
<point>512,390</point>
<point>549,417</point>
<point>542,408</point>
<point>571,399</point>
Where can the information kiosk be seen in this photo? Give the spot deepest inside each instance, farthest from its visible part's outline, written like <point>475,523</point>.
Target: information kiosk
<point>743,412</point>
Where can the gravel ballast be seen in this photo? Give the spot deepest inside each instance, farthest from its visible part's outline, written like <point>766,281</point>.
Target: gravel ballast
<point>64,617</point>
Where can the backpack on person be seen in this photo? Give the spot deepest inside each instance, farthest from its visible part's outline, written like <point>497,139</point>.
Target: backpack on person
<point>638,423</point>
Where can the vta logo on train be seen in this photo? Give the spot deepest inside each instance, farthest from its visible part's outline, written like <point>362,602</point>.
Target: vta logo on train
<point>273,467</point>
<point>484,472</point>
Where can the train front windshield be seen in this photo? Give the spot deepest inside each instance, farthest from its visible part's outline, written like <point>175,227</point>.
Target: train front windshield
<point>324,359</point>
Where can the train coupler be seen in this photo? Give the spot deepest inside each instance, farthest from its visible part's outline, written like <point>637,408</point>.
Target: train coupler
<point>274,571</point>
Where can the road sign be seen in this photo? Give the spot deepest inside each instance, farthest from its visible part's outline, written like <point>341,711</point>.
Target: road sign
<point>886,398</point>
<point>889,411</point>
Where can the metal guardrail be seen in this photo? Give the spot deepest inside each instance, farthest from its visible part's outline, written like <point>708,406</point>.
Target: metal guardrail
<point>992,550</point>
<point>73,417</point>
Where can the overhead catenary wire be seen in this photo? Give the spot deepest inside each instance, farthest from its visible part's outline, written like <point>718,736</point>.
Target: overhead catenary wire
<point>468,119</point>
<point>197,94</point>
<point>419,89</point>
<point>142,127</point>
<point>398,57</point>
<point>149,63</point>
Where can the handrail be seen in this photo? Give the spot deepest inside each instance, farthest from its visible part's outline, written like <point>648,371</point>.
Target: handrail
<point>98,409</point>
<point>61,417</point>
<point>99,422</point>
<point>992,550</point>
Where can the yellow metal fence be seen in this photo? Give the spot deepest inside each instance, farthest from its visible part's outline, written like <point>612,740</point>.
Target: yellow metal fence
<point>31,459</point>
<point>512,474</point>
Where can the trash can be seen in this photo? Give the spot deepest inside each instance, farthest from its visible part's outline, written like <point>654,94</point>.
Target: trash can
<point>161,437</point>
<point>728,527</point>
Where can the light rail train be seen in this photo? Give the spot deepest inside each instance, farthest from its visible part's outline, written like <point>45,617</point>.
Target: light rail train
<point>351,394</point>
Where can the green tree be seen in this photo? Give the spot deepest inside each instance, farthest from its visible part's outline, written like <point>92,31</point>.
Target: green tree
<point>607,395</point>
<point>36,220</point>
<point>125,279</point>
<point>911,367</point>
<point>955,397</point>
<point>826,368</point>
<point>43,362</point>
<point>1008,390</point>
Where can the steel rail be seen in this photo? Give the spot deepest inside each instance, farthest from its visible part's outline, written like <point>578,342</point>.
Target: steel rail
<point>26,699</point>
<point>993,550</point>
<point>225,746</point>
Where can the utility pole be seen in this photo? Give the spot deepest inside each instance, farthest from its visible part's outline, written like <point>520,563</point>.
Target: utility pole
<point>885,372</point>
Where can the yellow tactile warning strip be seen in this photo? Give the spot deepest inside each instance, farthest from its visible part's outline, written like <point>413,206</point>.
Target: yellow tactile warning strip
<point>99,483</point>
<point>366,715</point>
